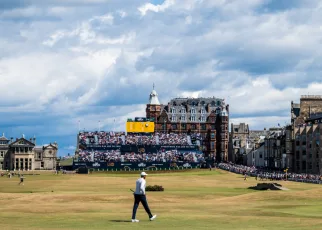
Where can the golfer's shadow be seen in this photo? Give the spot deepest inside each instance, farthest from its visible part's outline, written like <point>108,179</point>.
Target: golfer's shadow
<point>121,221</point>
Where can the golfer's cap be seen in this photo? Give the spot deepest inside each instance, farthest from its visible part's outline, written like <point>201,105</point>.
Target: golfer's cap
<point>143,174</point>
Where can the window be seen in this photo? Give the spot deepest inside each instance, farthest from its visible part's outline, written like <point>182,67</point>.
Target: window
<point>174,126</point>
<point>203,126</point>
<point>203,111</point>
<point>193,118</point>
<point>42,164</point>
<point>202,118</point>
<point>212,136</point>
<point>218,103</point>
<point>212,145</point>
<point>193,126</point>
<point>193,110</point>
<point>260,156</point>
<point>213,127</point>
<point>303,165</point>
<point>183,118</point>
<point>173,118</point>
<point>183,126</point>
<point>183,110</point>
<point>173,110</point>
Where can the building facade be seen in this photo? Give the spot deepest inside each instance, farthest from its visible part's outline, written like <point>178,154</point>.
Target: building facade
<point>308,150</point>
<point>23,154</point>
<point>305,130</point>
<point>208,117</point>
<point>309,106</point>
<point>274,147</point>
<point>239,135</point>
<point>256,157</point>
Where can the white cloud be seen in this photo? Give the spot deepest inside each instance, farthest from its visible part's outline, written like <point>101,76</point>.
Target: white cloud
<point>155,8</point>
<point>80,59</point>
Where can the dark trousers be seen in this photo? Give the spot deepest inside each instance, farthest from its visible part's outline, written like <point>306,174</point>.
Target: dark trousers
<point>137,200</point>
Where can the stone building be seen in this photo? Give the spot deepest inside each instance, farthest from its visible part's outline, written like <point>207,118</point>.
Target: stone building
<point>4,148</point>
<point>308,151</point>
<point>242,141</point>
<point>274,147</point>
<point>278,152</point>
<point>23,154</point>
<point>239,135</point>
<point>256,157</point>
<point>308,106</point>
<point>305,122</point>
<point>207,116</point>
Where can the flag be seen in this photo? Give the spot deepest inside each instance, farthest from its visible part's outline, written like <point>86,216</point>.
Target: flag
<point>279,125</point>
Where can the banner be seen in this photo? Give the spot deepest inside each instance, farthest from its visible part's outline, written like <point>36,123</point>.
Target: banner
<point>134,165</point>
<point>140,127</point>
<point>142,148</point>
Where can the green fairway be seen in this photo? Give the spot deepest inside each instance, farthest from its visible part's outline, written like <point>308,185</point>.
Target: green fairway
<point>192,200</point>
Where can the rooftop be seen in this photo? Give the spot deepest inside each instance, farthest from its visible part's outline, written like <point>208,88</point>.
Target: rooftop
<point>311,97</point>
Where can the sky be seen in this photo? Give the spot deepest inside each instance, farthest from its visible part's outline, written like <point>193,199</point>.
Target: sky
<point>64,61</point>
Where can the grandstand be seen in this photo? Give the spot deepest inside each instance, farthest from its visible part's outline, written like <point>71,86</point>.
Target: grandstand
<point>105,150</point>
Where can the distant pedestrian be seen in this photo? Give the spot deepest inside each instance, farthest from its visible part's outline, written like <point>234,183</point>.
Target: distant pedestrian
<point>245,176</point>
<point>21,180</point>
<point>139,196</point>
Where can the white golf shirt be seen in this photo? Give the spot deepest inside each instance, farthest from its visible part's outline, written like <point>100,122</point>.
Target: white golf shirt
<point>140,187</point>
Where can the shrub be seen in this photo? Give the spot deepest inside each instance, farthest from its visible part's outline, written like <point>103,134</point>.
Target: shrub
<point>154,188</point>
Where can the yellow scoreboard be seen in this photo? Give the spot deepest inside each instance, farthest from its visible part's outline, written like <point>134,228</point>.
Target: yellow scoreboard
<point>140,127</point>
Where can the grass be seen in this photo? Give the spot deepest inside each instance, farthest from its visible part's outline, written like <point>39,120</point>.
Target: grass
<point>197,199</point>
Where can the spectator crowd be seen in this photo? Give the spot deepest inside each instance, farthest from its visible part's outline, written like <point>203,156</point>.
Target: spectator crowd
<point>263,174</point>
<point>119,138</point>
<point>101,138</point>
<point>171,156</point>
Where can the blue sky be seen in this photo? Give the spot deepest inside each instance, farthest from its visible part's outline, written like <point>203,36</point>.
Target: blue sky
<point>96,60</point>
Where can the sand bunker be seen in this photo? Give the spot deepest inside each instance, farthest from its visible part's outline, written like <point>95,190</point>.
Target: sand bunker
<point>268,186</point>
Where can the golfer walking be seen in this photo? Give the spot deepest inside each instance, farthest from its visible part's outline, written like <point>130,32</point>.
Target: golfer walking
<point>139,196</point>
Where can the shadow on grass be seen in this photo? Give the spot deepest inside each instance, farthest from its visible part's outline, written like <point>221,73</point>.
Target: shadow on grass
<point>121,221</point>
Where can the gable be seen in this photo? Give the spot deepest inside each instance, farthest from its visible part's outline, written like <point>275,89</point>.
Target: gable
<point>163,116</point>
<point>50,147</point>
<point>22,142</point>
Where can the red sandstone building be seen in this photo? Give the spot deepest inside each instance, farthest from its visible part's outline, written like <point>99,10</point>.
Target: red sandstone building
<point>208,117</point>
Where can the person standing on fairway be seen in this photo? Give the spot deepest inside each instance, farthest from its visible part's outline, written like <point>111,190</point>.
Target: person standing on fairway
<point>21,180</point>
<point>139,196</point>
